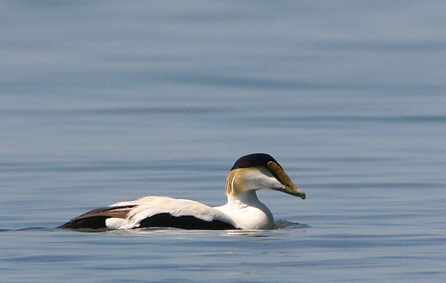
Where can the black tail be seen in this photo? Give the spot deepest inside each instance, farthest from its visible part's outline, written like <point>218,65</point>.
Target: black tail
<point>96,218</point>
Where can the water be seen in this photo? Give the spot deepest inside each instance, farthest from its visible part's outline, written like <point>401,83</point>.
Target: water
<point>109,101</point>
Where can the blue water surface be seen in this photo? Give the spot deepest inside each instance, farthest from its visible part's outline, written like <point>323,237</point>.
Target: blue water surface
<point>108,101</point>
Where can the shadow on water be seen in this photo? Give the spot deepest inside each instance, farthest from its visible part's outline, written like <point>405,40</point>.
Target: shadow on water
<point>280,224</point>
<point>283,224</point>
<point>44,229</point>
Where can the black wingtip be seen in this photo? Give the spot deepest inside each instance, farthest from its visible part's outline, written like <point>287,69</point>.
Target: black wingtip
<point>94,222</point>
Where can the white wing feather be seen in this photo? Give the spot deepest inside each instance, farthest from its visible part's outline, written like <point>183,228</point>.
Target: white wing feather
<point>148,206</point>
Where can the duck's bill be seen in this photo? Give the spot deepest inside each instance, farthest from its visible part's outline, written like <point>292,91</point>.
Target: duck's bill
<point>288,186</point>
<point>295,191</point>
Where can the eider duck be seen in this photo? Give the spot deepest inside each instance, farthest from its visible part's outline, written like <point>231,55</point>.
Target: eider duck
<point>242,211</point>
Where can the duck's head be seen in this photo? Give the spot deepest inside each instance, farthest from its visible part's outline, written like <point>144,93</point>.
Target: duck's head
<point>259,171</point>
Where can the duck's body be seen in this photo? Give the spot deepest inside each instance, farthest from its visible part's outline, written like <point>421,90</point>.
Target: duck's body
<point>242,211</point>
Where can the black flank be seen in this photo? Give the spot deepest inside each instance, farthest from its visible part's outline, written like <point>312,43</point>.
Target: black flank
<point>184,222</point>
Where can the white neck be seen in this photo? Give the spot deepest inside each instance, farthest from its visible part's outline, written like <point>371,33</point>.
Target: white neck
<point>248,212</point>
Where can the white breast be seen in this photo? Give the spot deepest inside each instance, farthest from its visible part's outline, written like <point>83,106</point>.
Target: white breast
<point>248,213</point>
